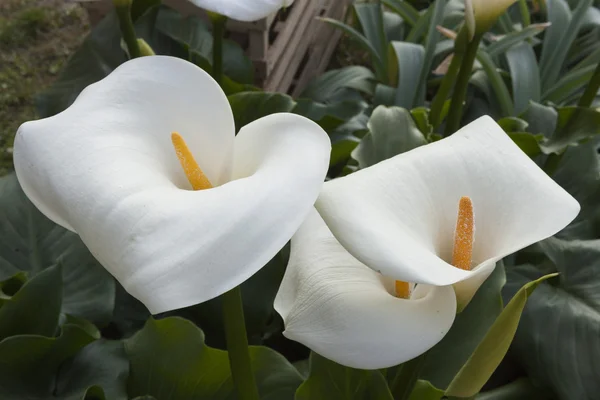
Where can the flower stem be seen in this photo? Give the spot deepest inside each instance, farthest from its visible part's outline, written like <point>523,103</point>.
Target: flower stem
<point>437,105</point>
<point>525,16</point>
<point>218,23</point>
<point>237,345</point>
<point>123,9</point>
<point>462,83</point>
<point>406,377</point>
<point>592,89</point>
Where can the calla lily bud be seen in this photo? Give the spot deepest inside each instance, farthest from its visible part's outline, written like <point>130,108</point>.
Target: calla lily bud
<point>480,15</point>
<point>243,10</point>
<point>145,49</point>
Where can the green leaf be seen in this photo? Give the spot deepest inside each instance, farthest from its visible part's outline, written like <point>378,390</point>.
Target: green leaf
<point>569,84</point>
<point>404,9</point>
<point>99,55</point>
<point>513,38</point>
<point>574,125</point>
<point>370,18</point>
<point>328,380</point>
<point>521,389</point>
<point>341,148</point>
<point>250,106</point>
<point>378,62</point>
<point>30,242</point>
<point>424,390</point>
<point>540,119</point>
<point>525,75</point>
<point>405,66</point>
<point>392,131</point>
<point>528,143</point>
<point>30,363</point>
<point>557,341</point>
<point>331,85</point>
<point>552,66</point>
<point>329,116</point>
<point>468,330</point>
<point>559,16</point>
<point>168,359</point>
<point>502,95</point>
<point>21,314</point>
<point>492,349</point>
<point>101,367</point>
<point>512,124</point>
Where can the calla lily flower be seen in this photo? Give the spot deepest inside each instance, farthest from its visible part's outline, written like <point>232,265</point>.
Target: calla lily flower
<point>481,15</point>
<point>347,312</point>
<point>446,212</point>
<point>243,10</point>
<point>110,169</point>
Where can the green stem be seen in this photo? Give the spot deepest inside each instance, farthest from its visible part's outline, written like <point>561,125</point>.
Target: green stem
<point>525,17</point>
<point>237,345</point>
<point>407,376</point>
<point>462,83</point>
<point>218,23</point>
<point>444,91</point>
<point>123,9</point>
<point>592,89</point>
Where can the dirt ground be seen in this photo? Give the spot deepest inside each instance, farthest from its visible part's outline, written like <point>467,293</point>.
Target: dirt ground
<point>36,39</point>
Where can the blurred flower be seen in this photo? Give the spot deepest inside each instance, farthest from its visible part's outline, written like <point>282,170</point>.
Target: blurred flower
<point>481,15</point>
<point>106,168</point>
<point>446,212</point>
<point>243,10</point>
<point>347,312</point>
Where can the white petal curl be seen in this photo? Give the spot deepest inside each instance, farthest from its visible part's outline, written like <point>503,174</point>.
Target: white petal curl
<point>399,216</point>
<point>106,169</point>
<point>345,311</point>
<point>243,10</point>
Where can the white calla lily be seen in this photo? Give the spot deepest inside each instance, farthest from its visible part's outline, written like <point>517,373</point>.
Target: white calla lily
<point>106,169</point>
<point>243,10</point>
<point>399,216</point>
<point>345,311</point>
<point>481,15</point>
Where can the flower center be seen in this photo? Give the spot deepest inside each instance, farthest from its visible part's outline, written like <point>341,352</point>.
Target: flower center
<point>464,236</point>
<point>192,170</point>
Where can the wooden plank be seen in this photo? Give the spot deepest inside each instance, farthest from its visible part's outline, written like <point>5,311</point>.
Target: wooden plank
<point>295,26</point>
<point>323,46</point>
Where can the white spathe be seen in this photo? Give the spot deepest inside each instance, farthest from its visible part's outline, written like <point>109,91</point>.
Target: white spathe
<point>243,10</point>
<point>106,169</point>
<point>345,311</point>
<point>481,15</point>
<point>399,216</point>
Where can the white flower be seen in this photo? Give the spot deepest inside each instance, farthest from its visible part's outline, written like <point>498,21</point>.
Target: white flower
<point>349,313</point>
<point>399,217</point>
<point>243,10</point>
<point>481,15</point>
<point>106,169</point>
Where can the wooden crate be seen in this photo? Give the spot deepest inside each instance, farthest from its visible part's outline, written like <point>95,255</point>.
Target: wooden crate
<point>287,48</point>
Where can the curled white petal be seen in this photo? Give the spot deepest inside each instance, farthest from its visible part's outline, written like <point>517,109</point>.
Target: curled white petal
<point>345,311</point>
<point>106,169</point>
<point>243,10</point>
<point>399,216</point>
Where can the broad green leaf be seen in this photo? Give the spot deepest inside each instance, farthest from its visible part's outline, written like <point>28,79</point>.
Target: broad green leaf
<point>492,349</point>
<point>99,55</point>
<point>250,106</point>
<point>559,16</point>
<point>468,330</point>
<point>569,84</point>
<point>424,390</point>
<point>506,42</point>
<point>370,18</point>
<point>378,62</point>
<point>437,15</point>
<point>341,148</point>
<point>552,67</point>
<point>100,367</point>
<point>525,76</point>
<point>30,363</point>
<point>406,61</point>
<point>384,95</point>
<point>521,389</point>
<point>512,124</point>
<point>30,242</point>
<point>557,341</point>
<point>331,86</point>
<point>530,144</point>
<point>328,380</point>
<point>330,115</point>
<point>21,315</point>
<point>392,131</point>
<point>168,359</point>
<point>394,26</point>
<point>540,119</point>
<point>574,124</point>
<point>404,9</point>
<point>420,28</point>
